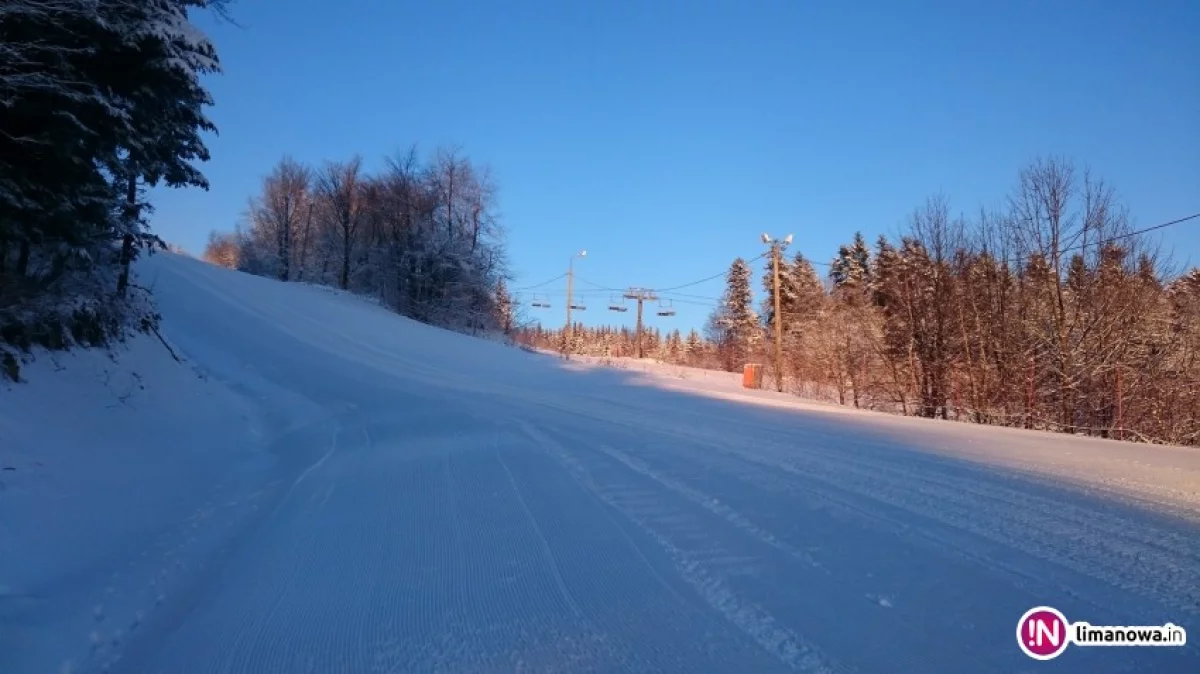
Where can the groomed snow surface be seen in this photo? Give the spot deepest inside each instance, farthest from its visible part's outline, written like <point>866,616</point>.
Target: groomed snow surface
<point>322,486</point>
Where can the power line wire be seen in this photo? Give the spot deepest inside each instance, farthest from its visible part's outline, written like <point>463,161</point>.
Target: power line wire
<point>689,295</point>
<point>538,285</point>
<point>706,279</point>
<point>1164,225</point>
<point>671,290</point>
<point>597,285</point>
<point>1118,237</point>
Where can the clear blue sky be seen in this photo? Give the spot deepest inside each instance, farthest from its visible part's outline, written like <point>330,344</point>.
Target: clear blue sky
<point>665,136</point>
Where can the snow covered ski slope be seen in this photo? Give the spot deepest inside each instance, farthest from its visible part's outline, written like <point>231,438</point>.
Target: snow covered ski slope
<point>394,498</point>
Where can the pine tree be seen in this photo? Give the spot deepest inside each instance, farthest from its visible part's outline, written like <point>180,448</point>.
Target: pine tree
<point>504,307</point>
<point>693,346</point>
<point>738,319</point>
<point>674,346</point>
<point>789,293</point>
<point>851,269</point>
<point>95,98</point>
<point>809,291</point>
<point>151,59</point>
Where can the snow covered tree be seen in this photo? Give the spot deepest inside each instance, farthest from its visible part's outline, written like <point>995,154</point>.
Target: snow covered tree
<point>390,235</point>
<point>505,315</point>
<point>788,293</point>
<point>282,213</point>
<point>221,250</point>
<point>339,187</point>
<point>674,347</point>
<point>738,318</point>
<point>98,101</point>
<point>693,347</point>
<point>851,269</point>
<point>150,61</point>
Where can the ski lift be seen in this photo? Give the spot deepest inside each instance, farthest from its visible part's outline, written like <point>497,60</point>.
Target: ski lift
<point>667,309</point>
<point>579,307</point>
<point>541,303</point>
<point>614,305</point>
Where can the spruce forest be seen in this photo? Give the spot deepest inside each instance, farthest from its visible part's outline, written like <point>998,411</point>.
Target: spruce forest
<point>99,101</point>
<point>1051,311</point>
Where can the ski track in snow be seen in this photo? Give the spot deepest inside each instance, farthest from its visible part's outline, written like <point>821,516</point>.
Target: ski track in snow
<point>439,504</point>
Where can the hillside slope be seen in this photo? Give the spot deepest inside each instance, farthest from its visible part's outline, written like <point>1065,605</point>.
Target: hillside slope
<point>325,486</point>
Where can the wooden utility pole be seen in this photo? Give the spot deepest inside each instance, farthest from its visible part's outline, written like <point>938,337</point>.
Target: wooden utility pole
<point>776,252</point>
<point>640,295</point>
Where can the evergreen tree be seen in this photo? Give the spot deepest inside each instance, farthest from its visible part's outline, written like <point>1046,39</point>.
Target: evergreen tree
<point>150,61</point>
<point>851,269</point>
<point>99,101</point>
<point>504,307</point>
<point>738,319</point>
<point>693,346</point>
<point>674,346</point>
<point>788,293</point>
<point>809,292</point>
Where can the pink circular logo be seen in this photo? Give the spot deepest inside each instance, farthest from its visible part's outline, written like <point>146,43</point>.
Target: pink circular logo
<point>1042,633</point>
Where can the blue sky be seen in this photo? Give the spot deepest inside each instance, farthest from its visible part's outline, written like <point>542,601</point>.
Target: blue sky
<point>665,136</point>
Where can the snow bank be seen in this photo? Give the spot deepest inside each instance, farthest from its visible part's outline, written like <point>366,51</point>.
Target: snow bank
<point>112,470</point>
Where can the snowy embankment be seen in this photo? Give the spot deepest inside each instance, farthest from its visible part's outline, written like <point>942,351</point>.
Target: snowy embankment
<point>346,490</point>
<point>115,475</point>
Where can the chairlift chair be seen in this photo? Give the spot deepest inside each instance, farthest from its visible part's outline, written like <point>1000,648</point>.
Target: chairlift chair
<point>541,304</point>
<point>614,305</point>
<point>667,309</point>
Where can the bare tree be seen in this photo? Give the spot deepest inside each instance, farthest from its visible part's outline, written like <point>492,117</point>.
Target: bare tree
<point>340,188</point>
<point>383,235</point>
<point>222,250</point>
<point>280,209</point>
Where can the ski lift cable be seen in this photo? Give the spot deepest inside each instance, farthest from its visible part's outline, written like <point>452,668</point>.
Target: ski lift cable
<point>543,283</point>
<point>707,278</point>
<point>596,285</point>
<point>691,296</point>
<point>1118,237</point>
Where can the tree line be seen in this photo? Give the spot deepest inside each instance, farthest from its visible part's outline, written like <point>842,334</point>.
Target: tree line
<point>98,102</point>
<point>1049,311</point>
<point>420,235</point>
<point>672,347</point>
